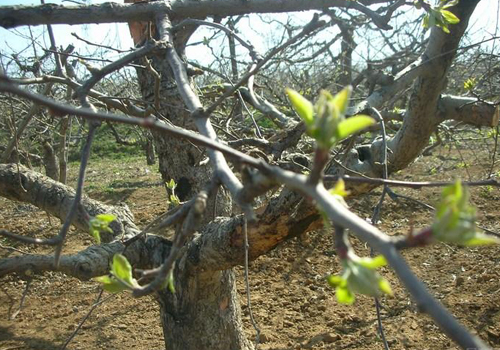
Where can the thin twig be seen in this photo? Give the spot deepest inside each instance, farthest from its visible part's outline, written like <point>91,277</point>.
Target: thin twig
<point>23,298</point>
<point>99,45</point>
<point>308,29</point>
<point>395,196</point>
<point>494,151</point>
<point>59,68</point>
<point>189,227</point>
<point>78,194</point>
<point>163,221</point>
<point>253,52</point>
<point>247,286</point>
<point>150,123</point>
<point>14,249</point>
<point>257,128</point>
<point>416,185</point>
<point>337,213</point>
<point>97,302</point>
<point>377,214</point>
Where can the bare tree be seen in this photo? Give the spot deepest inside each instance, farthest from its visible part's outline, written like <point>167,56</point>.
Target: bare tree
<point>203,311</point>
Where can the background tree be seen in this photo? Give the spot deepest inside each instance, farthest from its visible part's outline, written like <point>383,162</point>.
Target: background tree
<point>306,57</point>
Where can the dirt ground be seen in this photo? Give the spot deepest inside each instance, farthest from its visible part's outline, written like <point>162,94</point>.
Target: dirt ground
<point>292,304</point>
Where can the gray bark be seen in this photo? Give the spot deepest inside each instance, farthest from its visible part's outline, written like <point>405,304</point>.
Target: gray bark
<point>50,161</point>
<point>24,185</point>
<point>204,313</point>
<point>420,121</point>
<point>13,16</point>
<point>204,304</point>
<point>63,149</point>
<point>426,108</point>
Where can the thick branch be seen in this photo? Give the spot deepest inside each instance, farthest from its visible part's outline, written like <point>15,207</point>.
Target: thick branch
<point>13,16</point>
<point>469,110</point>
<point>91,262</point>
<point>221,246</point>
<point>55,198</point>
<point>426,108</point>
<point>420,120</point>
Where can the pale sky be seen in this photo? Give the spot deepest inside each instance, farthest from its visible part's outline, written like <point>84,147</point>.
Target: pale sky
<point>483,25</point>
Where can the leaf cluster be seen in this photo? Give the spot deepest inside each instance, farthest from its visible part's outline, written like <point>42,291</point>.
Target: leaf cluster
<point>455,219</point>
<point>99,224</point>
<point>359,276</point>
<point>439,16</point>
<point>325,121</point>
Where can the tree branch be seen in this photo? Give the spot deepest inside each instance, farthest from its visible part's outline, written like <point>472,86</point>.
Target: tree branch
<point>14,16</point>
<point>56,198</point>
<point>469,110</point>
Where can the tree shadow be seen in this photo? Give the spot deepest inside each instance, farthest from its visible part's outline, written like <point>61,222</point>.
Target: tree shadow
<point>20,342</point>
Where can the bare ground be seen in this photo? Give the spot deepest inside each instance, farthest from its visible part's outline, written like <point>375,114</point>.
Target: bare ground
<point>292,304</point>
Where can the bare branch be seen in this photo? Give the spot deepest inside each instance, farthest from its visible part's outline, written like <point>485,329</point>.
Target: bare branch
<point>13,16</point>
<point>56,198</point>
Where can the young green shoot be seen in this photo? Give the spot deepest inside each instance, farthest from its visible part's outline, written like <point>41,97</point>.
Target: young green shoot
<point>359,275</point>
<point>99,224</point>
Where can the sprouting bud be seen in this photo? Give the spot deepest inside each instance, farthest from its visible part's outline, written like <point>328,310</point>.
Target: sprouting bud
<point>325,121</point>
<point>359,276</point>
<point>455,220</point>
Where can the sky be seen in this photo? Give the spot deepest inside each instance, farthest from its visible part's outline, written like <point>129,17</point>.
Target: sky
<point>482,24</point>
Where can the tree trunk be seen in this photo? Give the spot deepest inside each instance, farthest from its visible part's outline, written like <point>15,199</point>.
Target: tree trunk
<point>204,313</point>
<point>150,149</point>
<point>63,149</point>
<point>50,161</point>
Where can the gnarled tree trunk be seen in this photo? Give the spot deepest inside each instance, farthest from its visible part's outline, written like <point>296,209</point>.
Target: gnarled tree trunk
<point>204,311</point>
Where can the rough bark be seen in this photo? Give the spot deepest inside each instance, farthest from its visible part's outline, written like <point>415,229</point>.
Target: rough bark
<point>204,313</point>
<point>421,121</point>
<point>24,185</point>
<point>203,304</point>
<point>469,110</point>
<point>13,16</point>
<point>423,114</point>
<point>63,149</point>
<point>221,246</point>
<point>149,149</point>
<point>177,160</point>
<point>22,126</point>
<point>50,161</point>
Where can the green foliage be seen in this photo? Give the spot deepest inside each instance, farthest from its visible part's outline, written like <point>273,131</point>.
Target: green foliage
<point>455,220</point>
<point>486,191</point>
<point>438,15</point>
<point>339,192</point>
<point>266,123</point>
<point>359,276</point>
<point>304,108</point>
<point>397,110</point>
<point>173,199</point>
<point>120,277</point>
<point>104,144</point>
<point>470,84</point>
<point>169,282</point>
<point>325,121</point>
<point>100,223</point>
<point>171,185</point>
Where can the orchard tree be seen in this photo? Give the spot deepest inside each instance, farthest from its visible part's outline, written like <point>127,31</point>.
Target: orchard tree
<point>216,180</point>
